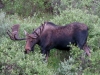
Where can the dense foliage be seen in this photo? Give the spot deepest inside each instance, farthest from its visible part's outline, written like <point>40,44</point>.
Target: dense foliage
<point>13,61</point>
<point>26,7</point>
<point>31,7</point>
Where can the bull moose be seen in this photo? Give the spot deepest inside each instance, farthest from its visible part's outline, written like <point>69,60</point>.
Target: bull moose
<point>49,36</point>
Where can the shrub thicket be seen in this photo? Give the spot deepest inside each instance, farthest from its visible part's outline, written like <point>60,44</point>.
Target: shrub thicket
<point>14,61</point>
<point>30,7</point>
<point>91,6</point>
<point>26,7</point>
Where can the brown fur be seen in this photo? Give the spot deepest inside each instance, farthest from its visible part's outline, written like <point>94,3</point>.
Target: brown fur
<point>54,36</point>
<point>44,27</point>
<point>70,28</point>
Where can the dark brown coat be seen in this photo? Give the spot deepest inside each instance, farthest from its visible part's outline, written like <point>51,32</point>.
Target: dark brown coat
<point>49,36</point>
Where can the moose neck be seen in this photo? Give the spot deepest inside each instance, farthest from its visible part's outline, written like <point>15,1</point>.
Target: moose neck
<point>39,30</point>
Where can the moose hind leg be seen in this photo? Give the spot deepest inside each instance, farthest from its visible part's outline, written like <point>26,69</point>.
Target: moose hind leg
<point>87,49</point>
<point>81,38</point>
<point>81,41</point>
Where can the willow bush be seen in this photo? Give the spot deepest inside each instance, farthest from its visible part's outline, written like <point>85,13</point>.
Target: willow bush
<point>14,61</point>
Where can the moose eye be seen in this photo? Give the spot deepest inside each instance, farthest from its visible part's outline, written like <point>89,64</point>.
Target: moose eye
<point>31,40</point>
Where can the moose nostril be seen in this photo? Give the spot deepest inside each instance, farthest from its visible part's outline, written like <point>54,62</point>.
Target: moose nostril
<point>26,51</point>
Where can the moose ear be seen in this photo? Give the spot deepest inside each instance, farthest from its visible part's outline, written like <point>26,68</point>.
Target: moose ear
<point>45,22</point>
<point>25,32</point>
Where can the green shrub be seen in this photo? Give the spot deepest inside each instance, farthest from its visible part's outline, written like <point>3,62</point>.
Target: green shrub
<point>4,23</point>
<point>26,7</point>
<point>30,7</point>
<point>91,6</point>
<point>14,61</point>
<point>65,67</point>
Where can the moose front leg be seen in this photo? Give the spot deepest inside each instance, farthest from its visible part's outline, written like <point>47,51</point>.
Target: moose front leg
<point>46,53</point>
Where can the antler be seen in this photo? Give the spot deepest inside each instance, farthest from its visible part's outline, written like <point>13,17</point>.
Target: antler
<point>14,34</point>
